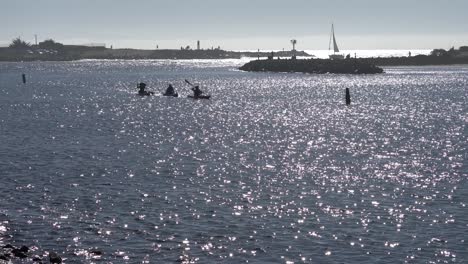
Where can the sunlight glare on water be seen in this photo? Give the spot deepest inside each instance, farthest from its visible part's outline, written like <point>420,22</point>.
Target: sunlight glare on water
<point>273,169</point>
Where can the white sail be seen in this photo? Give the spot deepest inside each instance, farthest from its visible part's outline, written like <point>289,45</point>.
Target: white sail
<point>334,56</point>
<point>335,46</point>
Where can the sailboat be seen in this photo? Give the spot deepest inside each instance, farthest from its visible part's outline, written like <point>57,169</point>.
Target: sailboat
<point>334,56</point>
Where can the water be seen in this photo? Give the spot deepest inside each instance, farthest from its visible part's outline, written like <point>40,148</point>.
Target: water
<point>274,169</point>
<point>323,54</point>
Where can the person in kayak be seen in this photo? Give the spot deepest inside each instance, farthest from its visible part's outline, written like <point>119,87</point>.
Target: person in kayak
<point>196,91</point>
<point>142,91</point>
<point>170,90</point>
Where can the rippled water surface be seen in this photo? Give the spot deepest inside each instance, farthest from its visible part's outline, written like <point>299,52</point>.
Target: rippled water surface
<point>273,169</point>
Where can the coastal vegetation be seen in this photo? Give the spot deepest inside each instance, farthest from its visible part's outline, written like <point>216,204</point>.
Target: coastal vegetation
<point>49,50</point>
<point>436,57</point>
<point>18,44</point>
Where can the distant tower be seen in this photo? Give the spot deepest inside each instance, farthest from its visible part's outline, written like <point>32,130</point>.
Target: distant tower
<point>35,38</point>
<point>198,45</point>
<point>293,42</point>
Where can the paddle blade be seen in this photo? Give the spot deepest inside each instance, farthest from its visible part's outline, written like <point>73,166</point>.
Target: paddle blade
<point>188,82</point>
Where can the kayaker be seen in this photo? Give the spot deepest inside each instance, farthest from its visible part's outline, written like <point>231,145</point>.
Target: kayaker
<point>142,91</point>
<point>170,90</point>
<point>196,91</point>
<point>142,87</point>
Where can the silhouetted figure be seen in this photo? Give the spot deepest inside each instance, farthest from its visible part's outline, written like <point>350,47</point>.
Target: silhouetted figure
<point>196,91</point>
<point>142,91</point>
<point>409,53</point>
<point>348,56</point>
<point>271,56</point>
<point>170,90</point>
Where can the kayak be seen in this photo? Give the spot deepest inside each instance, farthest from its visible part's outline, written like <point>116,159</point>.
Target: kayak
<point>199,97</point>
<point>146,93</point>
<point>173,95</point>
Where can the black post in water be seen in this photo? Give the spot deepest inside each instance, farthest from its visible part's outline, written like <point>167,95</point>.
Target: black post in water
<point>348,97</point>
<point>24,78</point>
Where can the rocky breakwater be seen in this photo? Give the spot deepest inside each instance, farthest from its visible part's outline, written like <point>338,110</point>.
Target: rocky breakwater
<point>320,66</point>
<point>25,254</point>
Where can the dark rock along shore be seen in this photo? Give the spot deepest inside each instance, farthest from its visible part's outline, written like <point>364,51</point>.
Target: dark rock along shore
<point>348,66</point>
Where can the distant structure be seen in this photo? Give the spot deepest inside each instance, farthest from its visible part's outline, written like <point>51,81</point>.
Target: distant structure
<point>271,56</point>
<point>293,42</point>
<point>35,38</point>
<point>198,45</point>
<point>348,97</point>
<point>95,45</point>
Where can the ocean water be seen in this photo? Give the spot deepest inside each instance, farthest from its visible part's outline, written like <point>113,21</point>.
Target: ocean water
<point>273,169</point>
<point>324,54</point>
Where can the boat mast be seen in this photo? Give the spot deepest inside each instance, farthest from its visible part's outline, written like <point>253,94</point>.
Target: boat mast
<point>335,46</point>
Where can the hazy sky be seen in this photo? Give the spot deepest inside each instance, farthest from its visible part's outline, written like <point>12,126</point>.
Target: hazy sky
<point>239,24</point>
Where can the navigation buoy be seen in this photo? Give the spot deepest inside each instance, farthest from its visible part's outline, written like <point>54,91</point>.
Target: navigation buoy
<point>24,78</point>
<point>348,97</point>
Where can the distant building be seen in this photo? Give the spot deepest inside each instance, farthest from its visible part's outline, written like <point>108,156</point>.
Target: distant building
<point>198,45</point>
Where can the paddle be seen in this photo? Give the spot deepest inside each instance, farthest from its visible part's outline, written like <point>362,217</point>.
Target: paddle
<point>208,96</point>
<point>189,82</point>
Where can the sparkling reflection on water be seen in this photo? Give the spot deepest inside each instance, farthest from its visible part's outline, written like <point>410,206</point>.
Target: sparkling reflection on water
<point>274,169</point>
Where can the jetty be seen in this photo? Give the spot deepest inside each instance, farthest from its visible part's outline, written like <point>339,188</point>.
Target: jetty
<point>318,66</point>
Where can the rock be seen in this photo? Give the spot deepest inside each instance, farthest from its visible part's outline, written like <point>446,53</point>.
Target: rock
<point>24,249</point>
<point>96,252</point>
<point>18,253</point>
<point>54,258</point>
<point>4,257</point>
<point>8,246</point>
<point>318,66</point>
